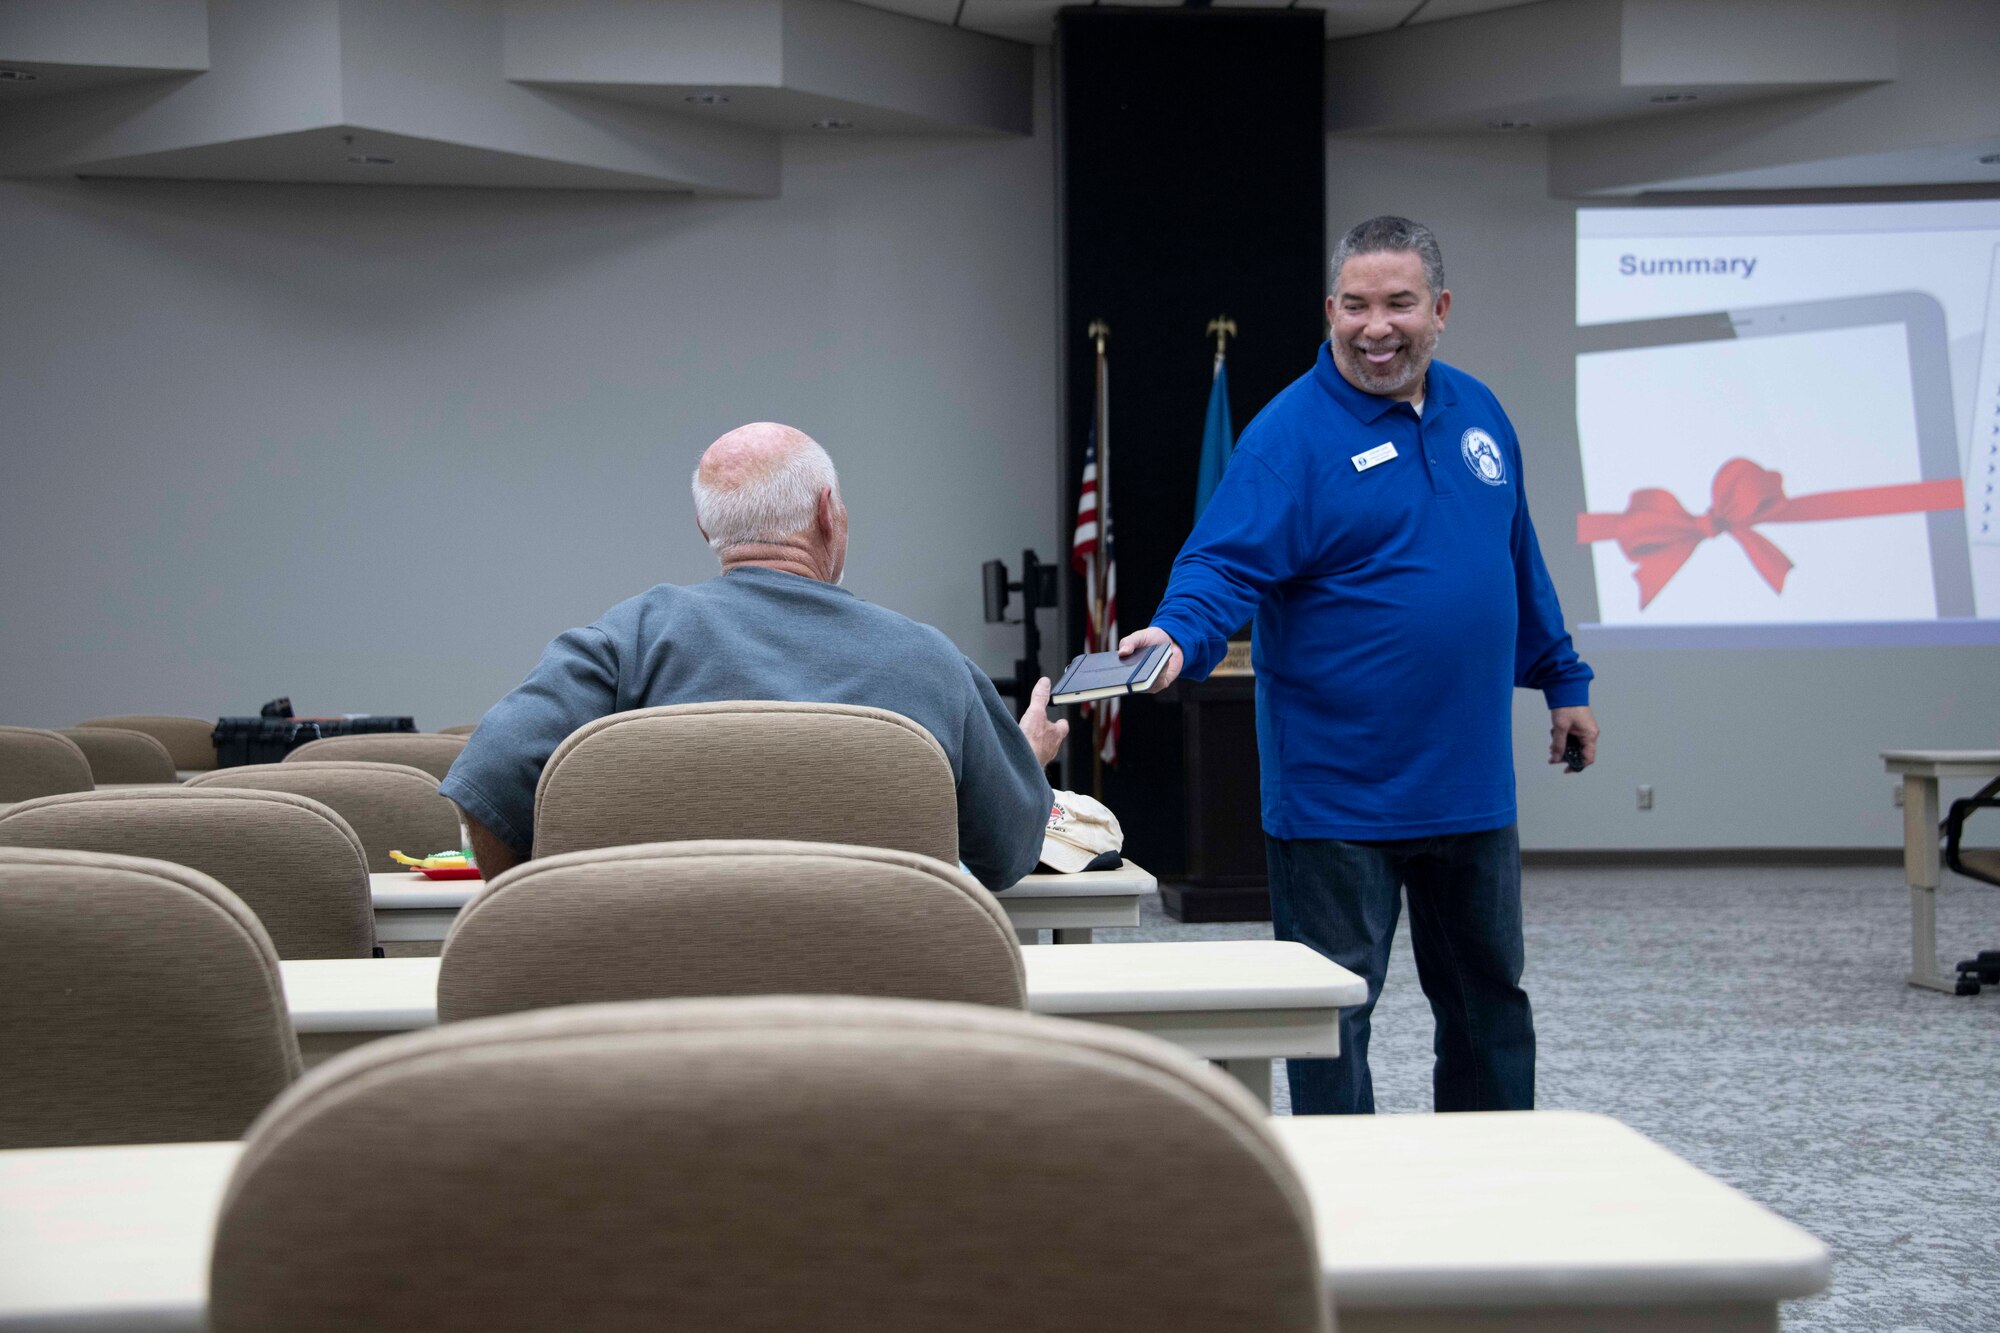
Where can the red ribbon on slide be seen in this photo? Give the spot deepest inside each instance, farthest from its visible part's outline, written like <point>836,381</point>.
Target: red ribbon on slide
<point>1658,536</point>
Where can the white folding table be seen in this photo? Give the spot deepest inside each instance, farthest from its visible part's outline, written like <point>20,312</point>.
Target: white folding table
<point>1241,1003</point>
<point>1920,770</point>
<point>410,907</point>
<point>1550,1221</point>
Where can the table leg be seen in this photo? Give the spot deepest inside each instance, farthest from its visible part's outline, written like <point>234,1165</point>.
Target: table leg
<point>1922,870</point>
<point>1072,935</point>
<point>1252,1074</point>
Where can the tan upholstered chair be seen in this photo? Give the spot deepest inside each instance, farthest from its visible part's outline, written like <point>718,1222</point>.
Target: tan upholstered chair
<point>775,1164</point>
<point>190,740</point>
<point>295,863</point>
<point>117,755</point>
<point>141,1004</point>
<point>390,807</point>
<point>663,920</point>
<point>860,776</point>
<point>433,753</point>
<point>35,763</point>
<point>462,729</point>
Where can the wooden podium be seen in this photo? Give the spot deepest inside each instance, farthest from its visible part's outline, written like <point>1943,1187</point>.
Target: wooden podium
<point>1225,832</point>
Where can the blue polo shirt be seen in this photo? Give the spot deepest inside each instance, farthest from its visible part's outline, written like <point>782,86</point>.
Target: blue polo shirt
<point>1398,605</point>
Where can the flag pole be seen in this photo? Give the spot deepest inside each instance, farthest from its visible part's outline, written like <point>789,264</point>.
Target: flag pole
<point>1100,594</point>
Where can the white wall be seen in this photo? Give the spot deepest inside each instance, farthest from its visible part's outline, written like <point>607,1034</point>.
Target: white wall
<point>1743,748</point>
<point>372,448</point>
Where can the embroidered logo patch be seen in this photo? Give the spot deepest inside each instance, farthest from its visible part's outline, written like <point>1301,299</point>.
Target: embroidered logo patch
<point>1483,456</point>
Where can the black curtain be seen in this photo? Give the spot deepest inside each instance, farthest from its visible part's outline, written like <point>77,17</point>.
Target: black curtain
<point>1192,162</point>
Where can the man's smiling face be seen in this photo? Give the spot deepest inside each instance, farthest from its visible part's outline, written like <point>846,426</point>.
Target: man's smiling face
<point>1385,323</point>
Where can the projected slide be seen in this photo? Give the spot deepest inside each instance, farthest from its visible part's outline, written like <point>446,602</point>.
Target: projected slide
<point>1789,420</point>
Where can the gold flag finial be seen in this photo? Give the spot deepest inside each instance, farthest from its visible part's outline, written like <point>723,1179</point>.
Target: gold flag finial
<point>1100,331</point>
<point>1224,328</point>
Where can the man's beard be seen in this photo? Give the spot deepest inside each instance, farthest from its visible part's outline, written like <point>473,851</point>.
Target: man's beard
<point>1397,376</point>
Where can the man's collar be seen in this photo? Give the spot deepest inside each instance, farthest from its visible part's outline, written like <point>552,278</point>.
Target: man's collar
<point>761,573</point>
<point>1369,407</point>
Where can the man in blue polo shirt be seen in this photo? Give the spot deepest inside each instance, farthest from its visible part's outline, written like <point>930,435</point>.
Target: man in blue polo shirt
<point>1373,518</point>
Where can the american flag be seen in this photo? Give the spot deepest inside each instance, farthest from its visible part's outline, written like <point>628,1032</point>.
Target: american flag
<point>1100,623</point>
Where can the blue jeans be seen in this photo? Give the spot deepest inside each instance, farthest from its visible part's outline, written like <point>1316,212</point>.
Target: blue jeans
<point>1342,899</point>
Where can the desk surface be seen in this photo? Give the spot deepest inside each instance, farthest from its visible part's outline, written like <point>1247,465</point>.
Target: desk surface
<point>1533,1208</point>
<point>409,891</point>
<point>1943,763</point>
<point>109,1238</point>
<point>400,994</point>
<point>1416,1212</point>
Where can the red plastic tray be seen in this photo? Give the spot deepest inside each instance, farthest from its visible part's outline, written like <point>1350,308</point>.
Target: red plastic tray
<point>450,872</point>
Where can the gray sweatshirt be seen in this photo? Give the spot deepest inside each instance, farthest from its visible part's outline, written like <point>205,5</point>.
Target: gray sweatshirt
<point>762,634</point>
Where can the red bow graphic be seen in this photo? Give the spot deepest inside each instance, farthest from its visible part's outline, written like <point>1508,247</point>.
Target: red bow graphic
<point>1658,536</point>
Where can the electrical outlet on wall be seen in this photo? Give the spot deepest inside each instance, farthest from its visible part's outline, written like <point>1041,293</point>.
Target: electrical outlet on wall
<point>1896,796</point>
<point>1645,796</point>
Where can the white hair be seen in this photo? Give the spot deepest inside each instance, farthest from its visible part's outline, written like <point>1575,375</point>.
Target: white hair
<point>778,505</point>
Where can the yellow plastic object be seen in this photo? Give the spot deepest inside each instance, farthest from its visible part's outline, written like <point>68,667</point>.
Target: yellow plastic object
<point>440,861</point>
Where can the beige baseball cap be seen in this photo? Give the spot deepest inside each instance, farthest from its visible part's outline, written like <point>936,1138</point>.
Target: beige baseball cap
<point>1080,830</point>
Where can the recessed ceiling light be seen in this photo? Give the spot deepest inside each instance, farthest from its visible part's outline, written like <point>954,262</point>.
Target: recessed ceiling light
<point>1672,99</point>
<point>370,160</point>
<point>707,99</point>
<point>18,75</point>
<point>1510,124</point>
<point>1989,159</point>
<point>832,125</point>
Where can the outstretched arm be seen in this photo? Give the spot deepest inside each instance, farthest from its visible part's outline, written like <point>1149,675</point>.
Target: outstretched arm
<point>1044,735</point>
<point>1252,536</point>
<point>1145,638</point>
<point>1003,795</point>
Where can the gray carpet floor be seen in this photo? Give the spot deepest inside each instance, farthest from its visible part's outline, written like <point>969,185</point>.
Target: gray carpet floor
<point>1756,1022</point>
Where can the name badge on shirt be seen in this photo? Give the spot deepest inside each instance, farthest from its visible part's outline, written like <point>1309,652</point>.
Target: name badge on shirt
<point>1381,453</point>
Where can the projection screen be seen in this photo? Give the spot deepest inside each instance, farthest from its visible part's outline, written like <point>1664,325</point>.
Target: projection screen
<point>1789,424</point>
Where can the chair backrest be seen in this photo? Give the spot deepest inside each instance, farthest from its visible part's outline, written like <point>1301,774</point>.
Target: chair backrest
<point>190,740</point>
<point>1981,863</point>
<point>35,763</point>
<point>390,807</point>
<point>431,752</point>
<point>462,729</point>
<point>142,1004</point>
<point>769,1164</point>
<point>804,772</point>
<point>117,755</point>
<point>665,920</point>
<point>295,863</point>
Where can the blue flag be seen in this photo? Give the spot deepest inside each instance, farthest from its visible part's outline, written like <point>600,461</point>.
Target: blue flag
<point>1218,440</point>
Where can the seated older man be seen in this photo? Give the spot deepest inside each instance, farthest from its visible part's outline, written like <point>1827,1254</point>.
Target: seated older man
<point>775,625</point>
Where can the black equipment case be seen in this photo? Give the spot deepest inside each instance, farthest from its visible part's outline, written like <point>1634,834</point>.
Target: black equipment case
<point>268,739</point>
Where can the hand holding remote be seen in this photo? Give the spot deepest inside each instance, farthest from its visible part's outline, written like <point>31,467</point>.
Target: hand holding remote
<point>1572,737</point>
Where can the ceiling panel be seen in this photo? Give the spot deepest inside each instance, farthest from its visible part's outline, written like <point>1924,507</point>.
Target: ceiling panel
<point>50,80</point>
<point>1434,10</point>
<point>1035,20</point>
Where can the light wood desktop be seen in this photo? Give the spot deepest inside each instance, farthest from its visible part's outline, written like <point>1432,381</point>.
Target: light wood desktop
<point>409,907</point>
<point>1920,771</point>
<point>1551,1221</point>
<point>1241,1003</point>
